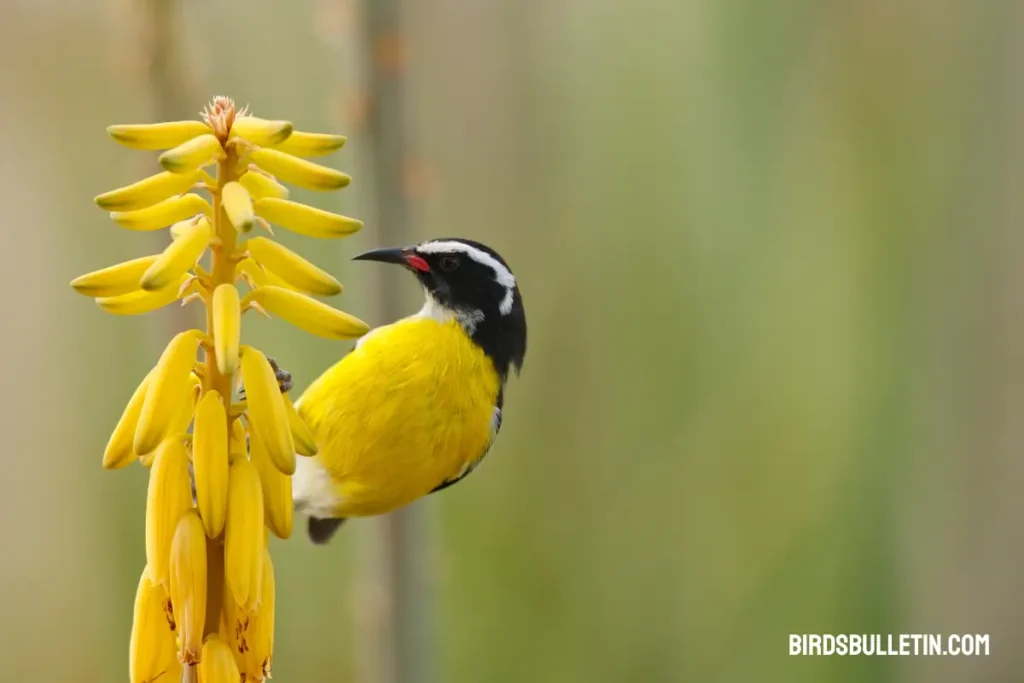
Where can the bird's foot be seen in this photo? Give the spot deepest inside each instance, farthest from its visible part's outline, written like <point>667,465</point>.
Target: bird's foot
<point>284,379</point>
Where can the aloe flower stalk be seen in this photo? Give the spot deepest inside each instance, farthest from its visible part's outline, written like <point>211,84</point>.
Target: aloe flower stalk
<point>219,470</point>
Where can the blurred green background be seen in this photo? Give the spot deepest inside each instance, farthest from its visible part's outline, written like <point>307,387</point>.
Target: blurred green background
<point>770,253</point>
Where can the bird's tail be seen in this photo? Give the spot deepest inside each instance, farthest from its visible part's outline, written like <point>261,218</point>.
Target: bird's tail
<point>313,495</point>
<point>322,529</point>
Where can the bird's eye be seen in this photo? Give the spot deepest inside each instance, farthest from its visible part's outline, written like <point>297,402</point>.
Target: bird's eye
<point>449,263</point>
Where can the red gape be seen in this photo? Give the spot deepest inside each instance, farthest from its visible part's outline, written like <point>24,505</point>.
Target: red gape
<point>418,263</point>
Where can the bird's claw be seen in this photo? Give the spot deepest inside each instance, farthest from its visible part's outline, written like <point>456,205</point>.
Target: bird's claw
<point>284,379</point>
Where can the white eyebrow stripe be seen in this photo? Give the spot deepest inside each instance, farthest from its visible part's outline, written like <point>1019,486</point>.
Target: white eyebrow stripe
<point>502,275</point>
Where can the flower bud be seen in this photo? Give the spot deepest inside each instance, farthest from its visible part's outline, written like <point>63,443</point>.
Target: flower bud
<point>276,488</point>
<point>258,276</point>
<point>243,534</point>
<point>227,327</point>
<point>120,449</point>
<point>218,663</point>
<point>259,656</point>
<point>268,419</point>
<point>298,171</point>
<point>151,650</point>
<point>305,220</point>
<point>261,131</point>
<point>115,280</point>
<point>147,191</point>
<point>179,257</point>
<point>141,301</point>
<point>307,314</point>
<point>310,144</point>
<point>238,206</point>
<point>305,444</point>
<point>192,155</point>
<point>168,498</point>
<point>164,213</point>
<point>168,388</point>
<point>238,447</point>
<point>151,136</point>
<point>210,462</point>
<point>188,585</point>
<point>292,268</point>
<point>260,186</point>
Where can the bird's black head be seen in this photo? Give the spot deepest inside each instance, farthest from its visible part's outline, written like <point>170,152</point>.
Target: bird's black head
<point>472,283</point>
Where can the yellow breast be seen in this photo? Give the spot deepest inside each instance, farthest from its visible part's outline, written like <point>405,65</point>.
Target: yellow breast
<point>408,409</point>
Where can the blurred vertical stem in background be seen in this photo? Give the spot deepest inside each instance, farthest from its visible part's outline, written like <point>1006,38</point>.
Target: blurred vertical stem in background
<point>398,641</point>
<point>164,58</point>
<point>220,470</point>
<point>167,73</point>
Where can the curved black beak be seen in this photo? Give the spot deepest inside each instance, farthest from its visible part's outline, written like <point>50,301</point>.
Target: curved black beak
<point>386,255</point>
<point>403,257</point>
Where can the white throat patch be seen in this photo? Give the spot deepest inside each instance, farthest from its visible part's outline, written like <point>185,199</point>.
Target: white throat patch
<point>502,275</point>
<point>433,309</point>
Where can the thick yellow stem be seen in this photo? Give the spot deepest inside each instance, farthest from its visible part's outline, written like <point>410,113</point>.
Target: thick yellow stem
<point>222,271</point>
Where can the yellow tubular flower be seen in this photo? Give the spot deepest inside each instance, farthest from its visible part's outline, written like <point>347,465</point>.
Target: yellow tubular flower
<point>226,630</point>
<point>120,449</point>
<point>181,421</point>
<point>305,220</point>
<point>192,155</point>
<point>164,213</point>
<point>238,206</point>
<point>298,171</point>
<point>147,191</point>
<point>179,256</point>
<point>157,135</point>
<point>188,585</point>
<point>251,272</point>
<point>258,658</point>
<point>260,186</point>
<point>304,442</point>
<point>268,419</point>
<point>307,314</point>
<point>261,131</point>
<point>169,497</point>
<point>237,447</point>
<point>218,663</point>
<point>277,490</point>
<point>182,228</point>
<point>310,144</point>
<point>210,462</point>
<point>115,280</point>
<point>186,409</point>
<point>227,327</point>
<point>151,650</point>
<point>258,276</point>
<point>234,627</point>
<point>207,596</point>
<point>168,388</point>
<point>141,301</point>
<point>292,268</point>
<point>243,534</point>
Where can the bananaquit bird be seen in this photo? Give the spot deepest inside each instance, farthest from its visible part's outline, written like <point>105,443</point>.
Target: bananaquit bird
<point>417,404</point>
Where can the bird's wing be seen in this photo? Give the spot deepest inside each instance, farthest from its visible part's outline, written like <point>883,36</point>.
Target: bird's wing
<point>472,465</point>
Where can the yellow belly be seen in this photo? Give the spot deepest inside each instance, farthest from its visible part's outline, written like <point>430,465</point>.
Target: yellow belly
<point>408,409</point>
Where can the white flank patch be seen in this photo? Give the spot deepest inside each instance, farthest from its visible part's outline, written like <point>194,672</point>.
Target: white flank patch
<point>311,488</point>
